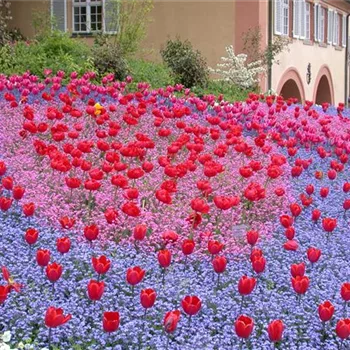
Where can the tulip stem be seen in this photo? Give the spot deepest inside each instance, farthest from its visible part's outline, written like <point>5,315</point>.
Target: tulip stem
<point>241,307</point>
<point>241,344</point>
<point>167,342</point>
<point>50,331</point>
<point>344,309</point>
<point>163,276</point>
<point>189,321</point>
<point>218,282</point>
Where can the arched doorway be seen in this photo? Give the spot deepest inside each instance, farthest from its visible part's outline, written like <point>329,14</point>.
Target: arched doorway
<point>323,90</point>
<point>290,89</point>
<point>291,85</point>
<point>323,93</point>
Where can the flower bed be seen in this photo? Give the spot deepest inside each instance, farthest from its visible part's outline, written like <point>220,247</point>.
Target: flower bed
<point>234,215</point>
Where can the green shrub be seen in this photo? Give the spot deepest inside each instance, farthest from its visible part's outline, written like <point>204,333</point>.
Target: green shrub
<point>187,65</point>
<point>56,51</point>
<point>229,91</point>
<point>108,58</point>
<point>156,74</point>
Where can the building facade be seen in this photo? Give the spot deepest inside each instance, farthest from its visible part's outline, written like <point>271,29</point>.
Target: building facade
<point>314,67</point>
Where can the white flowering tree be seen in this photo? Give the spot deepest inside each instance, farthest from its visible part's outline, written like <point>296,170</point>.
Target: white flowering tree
<point>237,71</point>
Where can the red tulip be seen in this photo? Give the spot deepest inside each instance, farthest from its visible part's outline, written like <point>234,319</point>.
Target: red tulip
<point>343,328</point>
<point>134,275</point>
<point>3,294</point>
<point>258,264</point>
<point>171,320</point>
<point>164,258</point>
<point>140,232</point>
<point>297,270</point>
<point>286,221</point>
<point>55,318</point>
<point>290,233</point>
<point>219,264</point>
<point>101,264</point>
<point>329,224</point>
<point>31,236</point>
<point>67,222</point>
<point>91,232</point>
<point>252,237</point>
<point>92,185</point>
<point>324,192</point>
<point>5,203</point>
<point>72,182</point>
<point>300,284</point>
<point>316,214</point>
<point>188,246</point>
<point>111,215</point>
<point>295,209</point>
<point>7,182</point>
<point>291,245</point>
<point>275,330</point>
<point>310,189</point>
<point>199,205</point>
<point>18,192</point>
<point>191,304</point>
<point>43,257</point>
<point>246,285</point>
<point>111,321</point>
<point>255,253</point>
<point>148,298</point>
<point>2,168</point>
<point>313,254</point>
<point>54,272</point>
<point>326,311</point>
<point>215,247</point>
<point>95,290</point>
<point>28,209</point>
<point>345,291</point>
<point>63,245</point>
<point>244,326</point>
<point>131,209</point>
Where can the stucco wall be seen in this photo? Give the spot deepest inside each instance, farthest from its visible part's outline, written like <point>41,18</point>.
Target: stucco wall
<point>23,12</point>
<point>300,55</point>
<point>209,25</point>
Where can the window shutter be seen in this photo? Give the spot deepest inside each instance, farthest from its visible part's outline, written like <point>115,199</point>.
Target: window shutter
<point>302,20</point>
<point>316,22</point>
<point>110,16</point>
<point>321,21</point>
<point>278,17</point>
<point>59,14</point>
<point>330,27</point>
<point>335,27</point>
<point>344,32</point>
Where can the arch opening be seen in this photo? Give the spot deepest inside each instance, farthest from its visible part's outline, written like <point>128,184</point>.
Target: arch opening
<point>323,92</point>
<point>290,89</point>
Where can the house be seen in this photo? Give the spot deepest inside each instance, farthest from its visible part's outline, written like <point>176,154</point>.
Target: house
<point>315,67</point>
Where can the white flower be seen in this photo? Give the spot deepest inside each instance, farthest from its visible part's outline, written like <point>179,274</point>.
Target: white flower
<point>6,337</point>
<point>4,346</point>
<point>20,345</point>
<point>235,69</point>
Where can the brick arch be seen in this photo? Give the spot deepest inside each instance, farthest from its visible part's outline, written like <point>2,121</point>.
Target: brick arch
<point>324,88</point>
<point>290,83</point>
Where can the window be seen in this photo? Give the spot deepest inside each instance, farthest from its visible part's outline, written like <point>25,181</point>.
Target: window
<point>330,27</point>
<point>282,17</point>
<point>94,16</point>
<point>336,29</point>
<point>307,21</point>
<point>344,36</point>
<point>320,23</point>
<point>301,19</point>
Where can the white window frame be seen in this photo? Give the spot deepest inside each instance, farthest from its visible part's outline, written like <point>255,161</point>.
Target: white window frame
<point>344,36</point>
<point>322,24</point>
<point>87,4</point>
<point>307,21</point>
<point>330,26</point>
<point>335,28</point>
<point>282,13</point>
<point>299,19</point>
